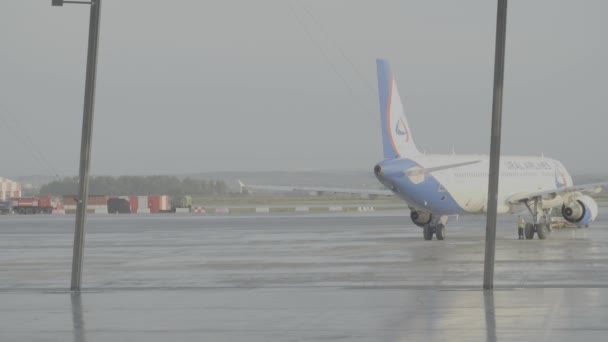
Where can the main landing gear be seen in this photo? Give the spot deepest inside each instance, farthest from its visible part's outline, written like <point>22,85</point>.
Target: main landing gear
<point>541,219</point>
<point>434,228</point>
<point>430,224</point>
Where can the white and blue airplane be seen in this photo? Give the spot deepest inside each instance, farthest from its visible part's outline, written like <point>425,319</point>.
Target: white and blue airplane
<point>438,186</point>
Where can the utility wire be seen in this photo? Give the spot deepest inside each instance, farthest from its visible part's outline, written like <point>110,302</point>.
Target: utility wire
<point>22,135</point>
<point>26,141</point>
<point>327,59</point>
<point>344,55</point>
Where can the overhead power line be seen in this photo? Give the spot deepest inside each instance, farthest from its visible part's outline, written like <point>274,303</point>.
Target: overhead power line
<point>351,91</point>
<point>21,134</point>
<point>361,76</point>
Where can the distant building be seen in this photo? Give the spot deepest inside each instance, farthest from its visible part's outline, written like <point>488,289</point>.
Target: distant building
<point>9,188</point>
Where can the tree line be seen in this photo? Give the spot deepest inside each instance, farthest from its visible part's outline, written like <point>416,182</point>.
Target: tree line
<point>137,185</point>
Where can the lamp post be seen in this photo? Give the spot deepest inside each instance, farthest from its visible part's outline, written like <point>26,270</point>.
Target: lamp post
<point>87,130</point>
<point>499,73</point>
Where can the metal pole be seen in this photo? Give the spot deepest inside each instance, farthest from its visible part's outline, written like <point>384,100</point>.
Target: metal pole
<point>490,309</point>
<point>77,318</point>
<point>85,147</point>
<point>499,71</point>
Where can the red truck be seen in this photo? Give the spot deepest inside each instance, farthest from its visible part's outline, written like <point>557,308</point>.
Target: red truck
<point>35,205</point>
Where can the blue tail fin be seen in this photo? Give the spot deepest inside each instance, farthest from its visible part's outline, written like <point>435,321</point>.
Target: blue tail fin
<point>397,140</point>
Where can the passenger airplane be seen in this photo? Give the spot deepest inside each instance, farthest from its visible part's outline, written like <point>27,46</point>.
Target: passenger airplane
<point>437,186</point>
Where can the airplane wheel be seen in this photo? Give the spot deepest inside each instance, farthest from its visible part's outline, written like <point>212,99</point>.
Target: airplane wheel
<point>541,231</point>
<point>529,231</point>
<point>440,232</point>
<point>428,232</point>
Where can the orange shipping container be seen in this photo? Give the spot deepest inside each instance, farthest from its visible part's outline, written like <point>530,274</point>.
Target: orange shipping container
<point>158,203</point>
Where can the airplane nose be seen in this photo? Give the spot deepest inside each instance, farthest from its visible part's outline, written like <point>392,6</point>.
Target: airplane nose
<point>378,170</point>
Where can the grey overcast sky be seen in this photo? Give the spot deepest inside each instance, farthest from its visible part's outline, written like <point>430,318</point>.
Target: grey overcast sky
<point>192,86</point>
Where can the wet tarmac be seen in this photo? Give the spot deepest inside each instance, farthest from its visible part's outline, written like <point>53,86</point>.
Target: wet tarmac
<point>311,277</point>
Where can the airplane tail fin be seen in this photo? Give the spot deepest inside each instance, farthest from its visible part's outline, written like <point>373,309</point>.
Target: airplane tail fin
<point>397,140</point>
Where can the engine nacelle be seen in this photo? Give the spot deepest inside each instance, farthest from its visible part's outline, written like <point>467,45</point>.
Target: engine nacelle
<point>581,210</point>
<point>421,218</point>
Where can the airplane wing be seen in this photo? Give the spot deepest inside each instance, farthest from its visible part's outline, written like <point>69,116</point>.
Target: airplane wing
<point>370,192</point>
<point>592,188</point>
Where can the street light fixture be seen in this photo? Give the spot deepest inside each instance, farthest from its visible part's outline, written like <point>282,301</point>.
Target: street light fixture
<point>61,2</point>
<point>87,131</point>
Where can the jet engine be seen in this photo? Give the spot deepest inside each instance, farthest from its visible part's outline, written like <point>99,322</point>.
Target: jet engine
<point>581,210</point>
<point>421,218</point>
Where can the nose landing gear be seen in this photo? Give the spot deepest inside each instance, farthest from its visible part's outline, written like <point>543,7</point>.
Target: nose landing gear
<point>542,221</point>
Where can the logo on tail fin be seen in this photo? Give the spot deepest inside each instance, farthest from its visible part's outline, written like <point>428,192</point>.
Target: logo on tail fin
<point>397,139</point>
<point>401,129</point>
